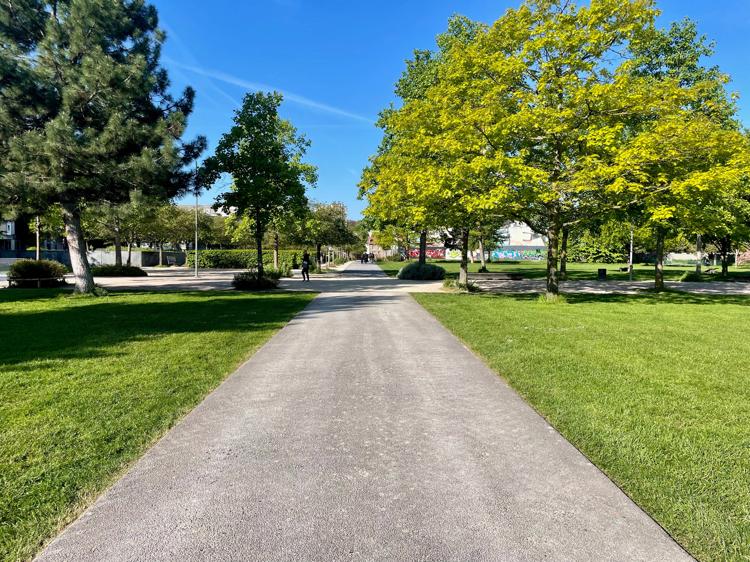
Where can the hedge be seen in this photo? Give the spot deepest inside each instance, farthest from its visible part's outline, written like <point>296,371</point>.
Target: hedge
<point>241,259</point>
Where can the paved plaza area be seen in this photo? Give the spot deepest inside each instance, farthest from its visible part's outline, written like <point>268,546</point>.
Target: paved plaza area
<point>349,278</point>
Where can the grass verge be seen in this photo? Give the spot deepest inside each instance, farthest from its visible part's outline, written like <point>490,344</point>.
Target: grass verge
<point>87,384</point>
<point>654,389</point>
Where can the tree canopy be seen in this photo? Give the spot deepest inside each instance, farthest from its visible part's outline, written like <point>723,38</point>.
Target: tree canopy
<point>87,116</point>
<point>547,115</point>
<point>263,153</point>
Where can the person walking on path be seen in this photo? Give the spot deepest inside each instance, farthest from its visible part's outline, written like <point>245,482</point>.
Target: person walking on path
<point>305,266</point>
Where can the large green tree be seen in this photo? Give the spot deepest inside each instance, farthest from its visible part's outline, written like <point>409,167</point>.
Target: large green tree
<point>100,121</point>
<point>326,224</point>
<point>263,153</point>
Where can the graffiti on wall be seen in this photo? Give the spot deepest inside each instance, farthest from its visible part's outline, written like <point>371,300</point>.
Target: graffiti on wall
<point>501,254</point>
<point>432,253</point>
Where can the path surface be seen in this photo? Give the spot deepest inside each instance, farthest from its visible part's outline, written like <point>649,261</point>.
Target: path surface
<point>363,431</point>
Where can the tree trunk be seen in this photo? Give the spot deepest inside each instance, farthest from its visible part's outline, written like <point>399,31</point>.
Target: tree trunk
<point>130,252</point>
<point>259,244</point>
<point>659,267</point>
<point>276,250</point>
<point>699,251</point>
<point>118,245</point>
<point>38,239</point>
<point>553,241</point>
<point>564,253</point>
<point>482,259</point>
<point>77,249</point>
<point>630,256</point>
<point>161,253</point>
<point>423,247</point>
<point>463,274</point>
<point>318,254</point>
<point>725,247</point>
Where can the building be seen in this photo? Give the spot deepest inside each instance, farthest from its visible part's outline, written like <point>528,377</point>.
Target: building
<point>520,242</point>
<point>8,241</point>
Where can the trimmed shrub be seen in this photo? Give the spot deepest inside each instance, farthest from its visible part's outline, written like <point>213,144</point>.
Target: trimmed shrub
<point>249,281</point>
<point>241,259</point>
<point>424,272</point>
<point>33,273</point>
<point>691,277</point>
<point>117,271</point>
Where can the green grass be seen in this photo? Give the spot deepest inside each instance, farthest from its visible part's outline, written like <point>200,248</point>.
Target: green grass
<point>654,389</point>
<point>87,384</point>
<point>576,271</point>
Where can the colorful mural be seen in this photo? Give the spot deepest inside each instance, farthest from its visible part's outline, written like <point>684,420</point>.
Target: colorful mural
<point>432,253</point>
<point>507,254</point>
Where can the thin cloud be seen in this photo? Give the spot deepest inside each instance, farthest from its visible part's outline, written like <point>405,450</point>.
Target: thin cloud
<point>301,100</point>
<point>188,54</point>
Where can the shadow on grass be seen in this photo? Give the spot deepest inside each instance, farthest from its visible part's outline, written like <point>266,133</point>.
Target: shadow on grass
<point>17,295</point>
<point>645,297</point>
<point>95,327</point>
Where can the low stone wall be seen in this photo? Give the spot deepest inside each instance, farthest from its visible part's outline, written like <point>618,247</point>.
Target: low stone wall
<point>149,258</point>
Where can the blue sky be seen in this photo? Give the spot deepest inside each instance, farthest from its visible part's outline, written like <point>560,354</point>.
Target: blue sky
<point>336,62</point>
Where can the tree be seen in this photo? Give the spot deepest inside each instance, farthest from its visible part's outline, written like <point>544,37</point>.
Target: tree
<point>102,121</point>
<point>388,199</point>
<point>326,224</point>
<point>676,54</point>
<point>684,169</point>
<point>263,153</point>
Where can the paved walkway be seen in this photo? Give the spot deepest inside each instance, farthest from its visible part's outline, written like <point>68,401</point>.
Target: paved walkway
<point>363,431</point>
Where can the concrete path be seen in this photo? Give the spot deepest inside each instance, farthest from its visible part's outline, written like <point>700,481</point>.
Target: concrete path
<point>363,431</point>
<point>619,287</point>
<point>181,279</point>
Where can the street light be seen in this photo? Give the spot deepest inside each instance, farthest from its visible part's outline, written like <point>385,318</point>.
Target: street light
<point>195,247</point>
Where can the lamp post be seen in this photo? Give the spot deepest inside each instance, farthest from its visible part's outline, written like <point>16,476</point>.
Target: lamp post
<point>195,246</point>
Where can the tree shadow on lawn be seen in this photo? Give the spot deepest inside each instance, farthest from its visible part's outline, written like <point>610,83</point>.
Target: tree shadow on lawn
<point>645,297</point>
<point>18,295</point>
<point>97,327</point>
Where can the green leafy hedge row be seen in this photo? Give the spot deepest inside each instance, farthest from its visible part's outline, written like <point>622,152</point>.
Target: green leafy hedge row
<point>242,259</point>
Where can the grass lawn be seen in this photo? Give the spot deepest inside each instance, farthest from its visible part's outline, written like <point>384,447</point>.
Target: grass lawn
<point>654,389</point>
<point>576,271</point>
<point>87,384</point>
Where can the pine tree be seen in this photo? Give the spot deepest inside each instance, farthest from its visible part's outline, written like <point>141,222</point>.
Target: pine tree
<point>99,121</point>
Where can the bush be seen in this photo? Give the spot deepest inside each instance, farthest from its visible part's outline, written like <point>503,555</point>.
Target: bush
<point>33,273</point>
<point>425,272</point>
<point>249,281</point>
<point>117,271</point>
<point>284,270</point>
<point>691,277</point>
<point>241,259</point>
<point>462,287</point>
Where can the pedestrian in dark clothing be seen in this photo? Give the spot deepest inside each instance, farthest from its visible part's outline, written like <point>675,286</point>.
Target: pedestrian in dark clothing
<point>305,267</point>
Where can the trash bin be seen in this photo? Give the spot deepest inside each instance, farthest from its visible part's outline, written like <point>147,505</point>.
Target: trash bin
<point>602,274</point>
